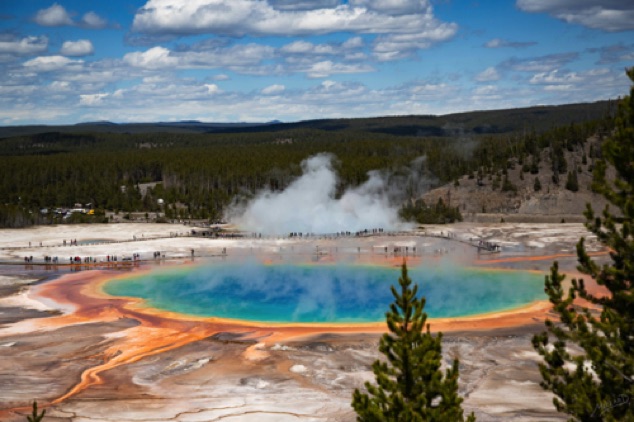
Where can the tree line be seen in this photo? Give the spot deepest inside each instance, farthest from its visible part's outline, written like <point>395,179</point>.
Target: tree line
<point>198,175</point>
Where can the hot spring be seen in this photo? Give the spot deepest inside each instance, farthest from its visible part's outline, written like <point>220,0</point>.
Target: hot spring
<point>319,293</point>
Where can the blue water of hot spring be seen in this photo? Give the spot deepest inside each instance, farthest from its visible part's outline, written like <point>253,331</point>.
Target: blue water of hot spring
<point>324,293</point>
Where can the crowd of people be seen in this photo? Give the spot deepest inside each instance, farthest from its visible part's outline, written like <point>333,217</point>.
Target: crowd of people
<point>359,233</point>
<point>396,250</point>
<point>489,246</point>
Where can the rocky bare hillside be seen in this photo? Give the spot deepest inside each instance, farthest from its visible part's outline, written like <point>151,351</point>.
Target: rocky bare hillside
<point>519,198</point>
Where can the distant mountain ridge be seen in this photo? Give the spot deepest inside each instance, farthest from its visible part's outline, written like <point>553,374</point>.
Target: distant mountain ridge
<point>476,123</point>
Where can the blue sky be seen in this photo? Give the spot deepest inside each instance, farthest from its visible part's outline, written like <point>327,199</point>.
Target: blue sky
<point>258,60</point>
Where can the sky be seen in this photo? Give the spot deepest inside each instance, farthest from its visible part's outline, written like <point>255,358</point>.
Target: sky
<point>74,61</point>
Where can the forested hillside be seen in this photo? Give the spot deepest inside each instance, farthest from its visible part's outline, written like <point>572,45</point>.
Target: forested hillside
<point>538,118</point>
<point>198,174</point>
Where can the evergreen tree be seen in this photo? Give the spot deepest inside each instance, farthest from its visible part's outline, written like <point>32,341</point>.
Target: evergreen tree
<point>598,384</point>
<point>572,183</point>
<point>411,386</point>
<point>537,186</point>
<point>508,186</point>
<point>35,417</point>
<point>534,169</point>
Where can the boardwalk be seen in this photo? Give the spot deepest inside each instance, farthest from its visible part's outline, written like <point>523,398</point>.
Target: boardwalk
<point>90,253</point>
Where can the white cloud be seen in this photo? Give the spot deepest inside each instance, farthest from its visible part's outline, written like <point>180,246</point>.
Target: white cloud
<point>486,90</point>
<point>298,47</point>
<point>59,86</point>
<point>79,95</point>
<point>487,75</point>
<point>93,74</point>
<point>326,68</point>
<point>273,89</point>
<point>213,88</point>
<point>77,48</point>
<point>500,43</point>
<point>555,77</point>
<point>394,7</point>
<point>55,15</point>
<point>404,26</point>
<point>540,64</point>
<point>329,84</point>
<point>351,43</point>
<point>221,77</point>
<point>154,58</point>
<point>17,90</point>
<point>428,92</point>
<point>29,113</point>
<point>614,53</point>
<point>239,57</point>
<point>606,15</point>
<point>598,72</point>
<point>92,99</point>
<point>303,52</point>
<point>256,17</point>
<point>303,4</point>
<point>494,43</point>
<point>397,46</point>
<point>50,63</point>
<point>558,87</point>
<point>156,79</point>
<point>93,21</point>
<point>24,46</point>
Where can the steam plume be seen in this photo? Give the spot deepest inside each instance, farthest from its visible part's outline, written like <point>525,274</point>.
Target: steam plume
<point>309,205</point>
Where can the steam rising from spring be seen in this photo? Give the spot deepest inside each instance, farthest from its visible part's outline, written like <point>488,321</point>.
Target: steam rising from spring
<point>309,204</point>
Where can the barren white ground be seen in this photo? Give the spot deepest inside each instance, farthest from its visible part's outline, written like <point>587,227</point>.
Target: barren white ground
<point>308,380</point>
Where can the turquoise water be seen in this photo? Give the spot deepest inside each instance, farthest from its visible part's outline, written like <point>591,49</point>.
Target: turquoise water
<point>324,293</point>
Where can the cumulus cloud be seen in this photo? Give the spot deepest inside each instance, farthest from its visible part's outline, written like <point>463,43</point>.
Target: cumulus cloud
<point>394,7</point>
<point>487,75</point>
<point>213,88</point>
<point>93,21</point>
<point>273,89</point>
<point>50,63</point>
<point>239,57</point>
<point>154,58</point>
<point>397,46</point>
<point>566,87</point>
<point>77,48</point>
<point>586,82</point>
<point>606,15</point>
<point>303,4</point>
<point>486,90</point>
<point>326,68</point>
<point>24,46</point>
<point>55,15</point>
<point>403,26</point>
<point>305,47</point>
<point>164,96</point>
<point>241,17</point>
<point>352,43</point>
<point>554,77</point>
<point>59,86</point>
<point>501,43</point>
<point>92,99</point>
<point>301,51</point>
